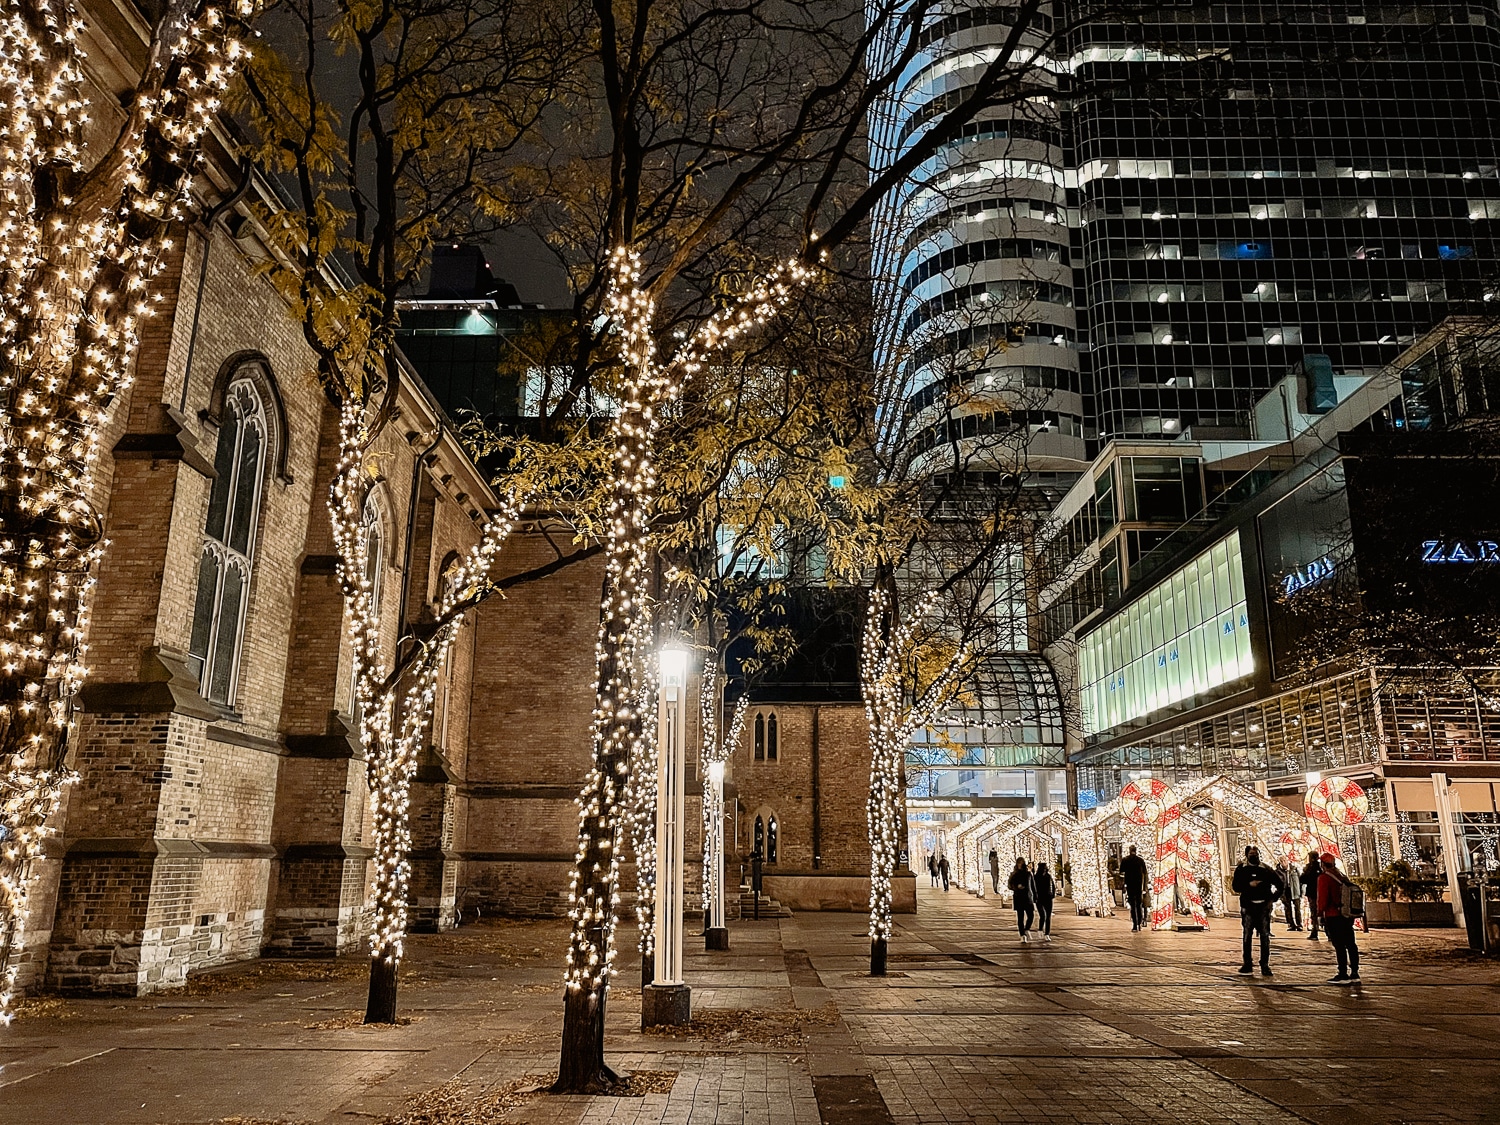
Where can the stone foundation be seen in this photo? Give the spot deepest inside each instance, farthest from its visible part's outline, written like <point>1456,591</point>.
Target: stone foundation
<point>817,890</point>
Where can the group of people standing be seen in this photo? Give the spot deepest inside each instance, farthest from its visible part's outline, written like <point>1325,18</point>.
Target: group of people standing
<point>1333,902</point>
<point>1332,899</point>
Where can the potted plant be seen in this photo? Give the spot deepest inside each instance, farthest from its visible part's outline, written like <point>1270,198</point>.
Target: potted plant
<point>1423,903</point>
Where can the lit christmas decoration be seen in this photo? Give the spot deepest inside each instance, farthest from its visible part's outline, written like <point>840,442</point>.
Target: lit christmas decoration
<point>885,653</point>
<point>1152,804</point>
<point>1334,803</point>
<point>395,705</point>
<point>605,801</point>
<point>1408,839</point>
<point>1090,870</point>
<point>82,236</point>
<point>715,751</point>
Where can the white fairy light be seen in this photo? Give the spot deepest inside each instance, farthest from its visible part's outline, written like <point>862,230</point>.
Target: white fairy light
<point>75,290</point>
<point>609,794</point>
<point>884,652</point>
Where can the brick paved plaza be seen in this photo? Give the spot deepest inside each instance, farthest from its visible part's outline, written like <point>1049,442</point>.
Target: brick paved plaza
<point>1101,1025</point>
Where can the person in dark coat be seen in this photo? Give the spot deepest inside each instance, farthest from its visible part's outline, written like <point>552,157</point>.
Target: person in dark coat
<point>1046,893</point>
<point>1310,876</point>
<point>1291,894</point>
<point>943,870</point>
<point>1023,894</point>
<point>932,868</point>
<point>995,870</point>
<point>1258,887</point>
<point>1340,929</point>
<point>1133,871</point>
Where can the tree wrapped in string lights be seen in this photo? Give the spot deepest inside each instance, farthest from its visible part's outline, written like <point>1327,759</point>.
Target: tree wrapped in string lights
<point>394,700</point>
<point>83,235</point>
<point>389,123</point>
<point>648,386</point>
<point>715,753</point>
<point>899,698</point>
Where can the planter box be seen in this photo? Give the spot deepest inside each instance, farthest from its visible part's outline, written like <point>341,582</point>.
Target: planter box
<point>1392,914</point>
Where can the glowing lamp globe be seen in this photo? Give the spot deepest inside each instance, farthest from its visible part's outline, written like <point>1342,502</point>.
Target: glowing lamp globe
<point>673,664</point>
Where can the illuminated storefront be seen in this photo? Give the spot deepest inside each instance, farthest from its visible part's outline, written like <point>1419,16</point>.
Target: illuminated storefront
<point>1184,637</point>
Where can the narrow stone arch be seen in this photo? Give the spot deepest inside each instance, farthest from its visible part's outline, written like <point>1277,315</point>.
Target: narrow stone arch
<point>256,367</point>
<point>766,830</point>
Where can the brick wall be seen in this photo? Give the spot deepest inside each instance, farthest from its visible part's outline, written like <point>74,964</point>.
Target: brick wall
<point>784,788</point>
<point>529,747</point>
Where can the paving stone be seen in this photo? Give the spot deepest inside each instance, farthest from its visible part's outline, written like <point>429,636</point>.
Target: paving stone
<point>1099,1026</point>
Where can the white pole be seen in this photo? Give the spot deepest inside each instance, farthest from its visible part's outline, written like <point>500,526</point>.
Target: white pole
<point>716,847</point>
<point>670,782</point>
<point>1452,850</point>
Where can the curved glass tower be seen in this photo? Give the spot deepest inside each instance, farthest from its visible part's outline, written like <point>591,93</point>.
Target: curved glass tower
<point>980,334</point>
<point>1178,209</point>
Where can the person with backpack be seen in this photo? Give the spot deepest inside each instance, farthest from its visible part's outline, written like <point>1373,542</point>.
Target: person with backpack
<point>1046,893</point>
<point>1023,898</point>
<point>1340,902</point>
<point>1258,887</point>
<point>1310,875</point>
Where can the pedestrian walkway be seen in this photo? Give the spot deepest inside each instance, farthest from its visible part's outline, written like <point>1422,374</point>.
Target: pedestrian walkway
<point>1100,1025</point>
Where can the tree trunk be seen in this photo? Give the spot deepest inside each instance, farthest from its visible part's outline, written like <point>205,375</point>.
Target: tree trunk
<point>878,949</point>
<point>380,1007</point>
<point>648,970</point>
<point>581,1068</point>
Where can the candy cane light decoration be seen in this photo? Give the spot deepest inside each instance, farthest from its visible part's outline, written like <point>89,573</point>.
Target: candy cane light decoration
<point>1151,803</point>
<point>1333,803</point>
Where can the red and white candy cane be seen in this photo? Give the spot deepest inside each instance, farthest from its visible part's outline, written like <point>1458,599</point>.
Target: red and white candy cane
<point>1293,846</point>
<point>1151,803</point>
<point>1333,803</point>
<point>1187,876</point>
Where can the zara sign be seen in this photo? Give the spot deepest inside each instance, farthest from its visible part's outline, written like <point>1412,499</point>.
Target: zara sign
<point>1318,570</point>
<point>1460,551</point>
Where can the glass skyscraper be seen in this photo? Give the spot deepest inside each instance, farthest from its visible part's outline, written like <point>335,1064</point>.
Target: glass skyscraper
<point>1173,212</point>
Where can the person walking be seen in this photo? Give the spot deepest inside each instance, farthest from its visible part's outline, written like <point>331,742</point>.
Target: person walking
<point>1338,922</point>
<point>932,868</point>
<point>1133,871</point>
<point>1310,875</point>
<point>1023,898</point>
<point>1046,893</point>
<point>1258,887</point>
<point>1291,895</point>
<point>995,870</point>
<point>943,870</point>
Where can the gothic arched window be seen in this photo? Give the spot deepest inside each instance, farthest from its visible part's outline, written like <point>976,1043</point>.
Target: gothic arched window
<point>760,737</point>
<point>771,740</point>
<point>771,841</point>
<point>760,835</point>
<point>227,561</point>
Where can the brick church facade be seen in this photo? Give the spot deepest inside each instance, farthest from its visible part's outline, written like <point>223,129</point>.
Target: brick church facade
<point>220,811</point>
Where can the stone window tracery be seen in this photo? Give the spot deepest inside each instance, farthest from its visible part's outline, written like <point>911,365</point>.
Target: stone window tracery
<point>227,561</point>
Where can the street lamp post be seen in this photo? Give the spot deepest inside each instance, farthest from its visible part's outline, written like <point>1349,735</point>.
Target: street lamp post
<point>668,1000</point>
<point>715,932</point>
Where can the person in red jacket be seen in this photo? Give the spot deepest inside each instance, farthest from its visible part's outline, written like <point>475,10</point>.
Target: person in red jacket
<point>1340,930</point>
